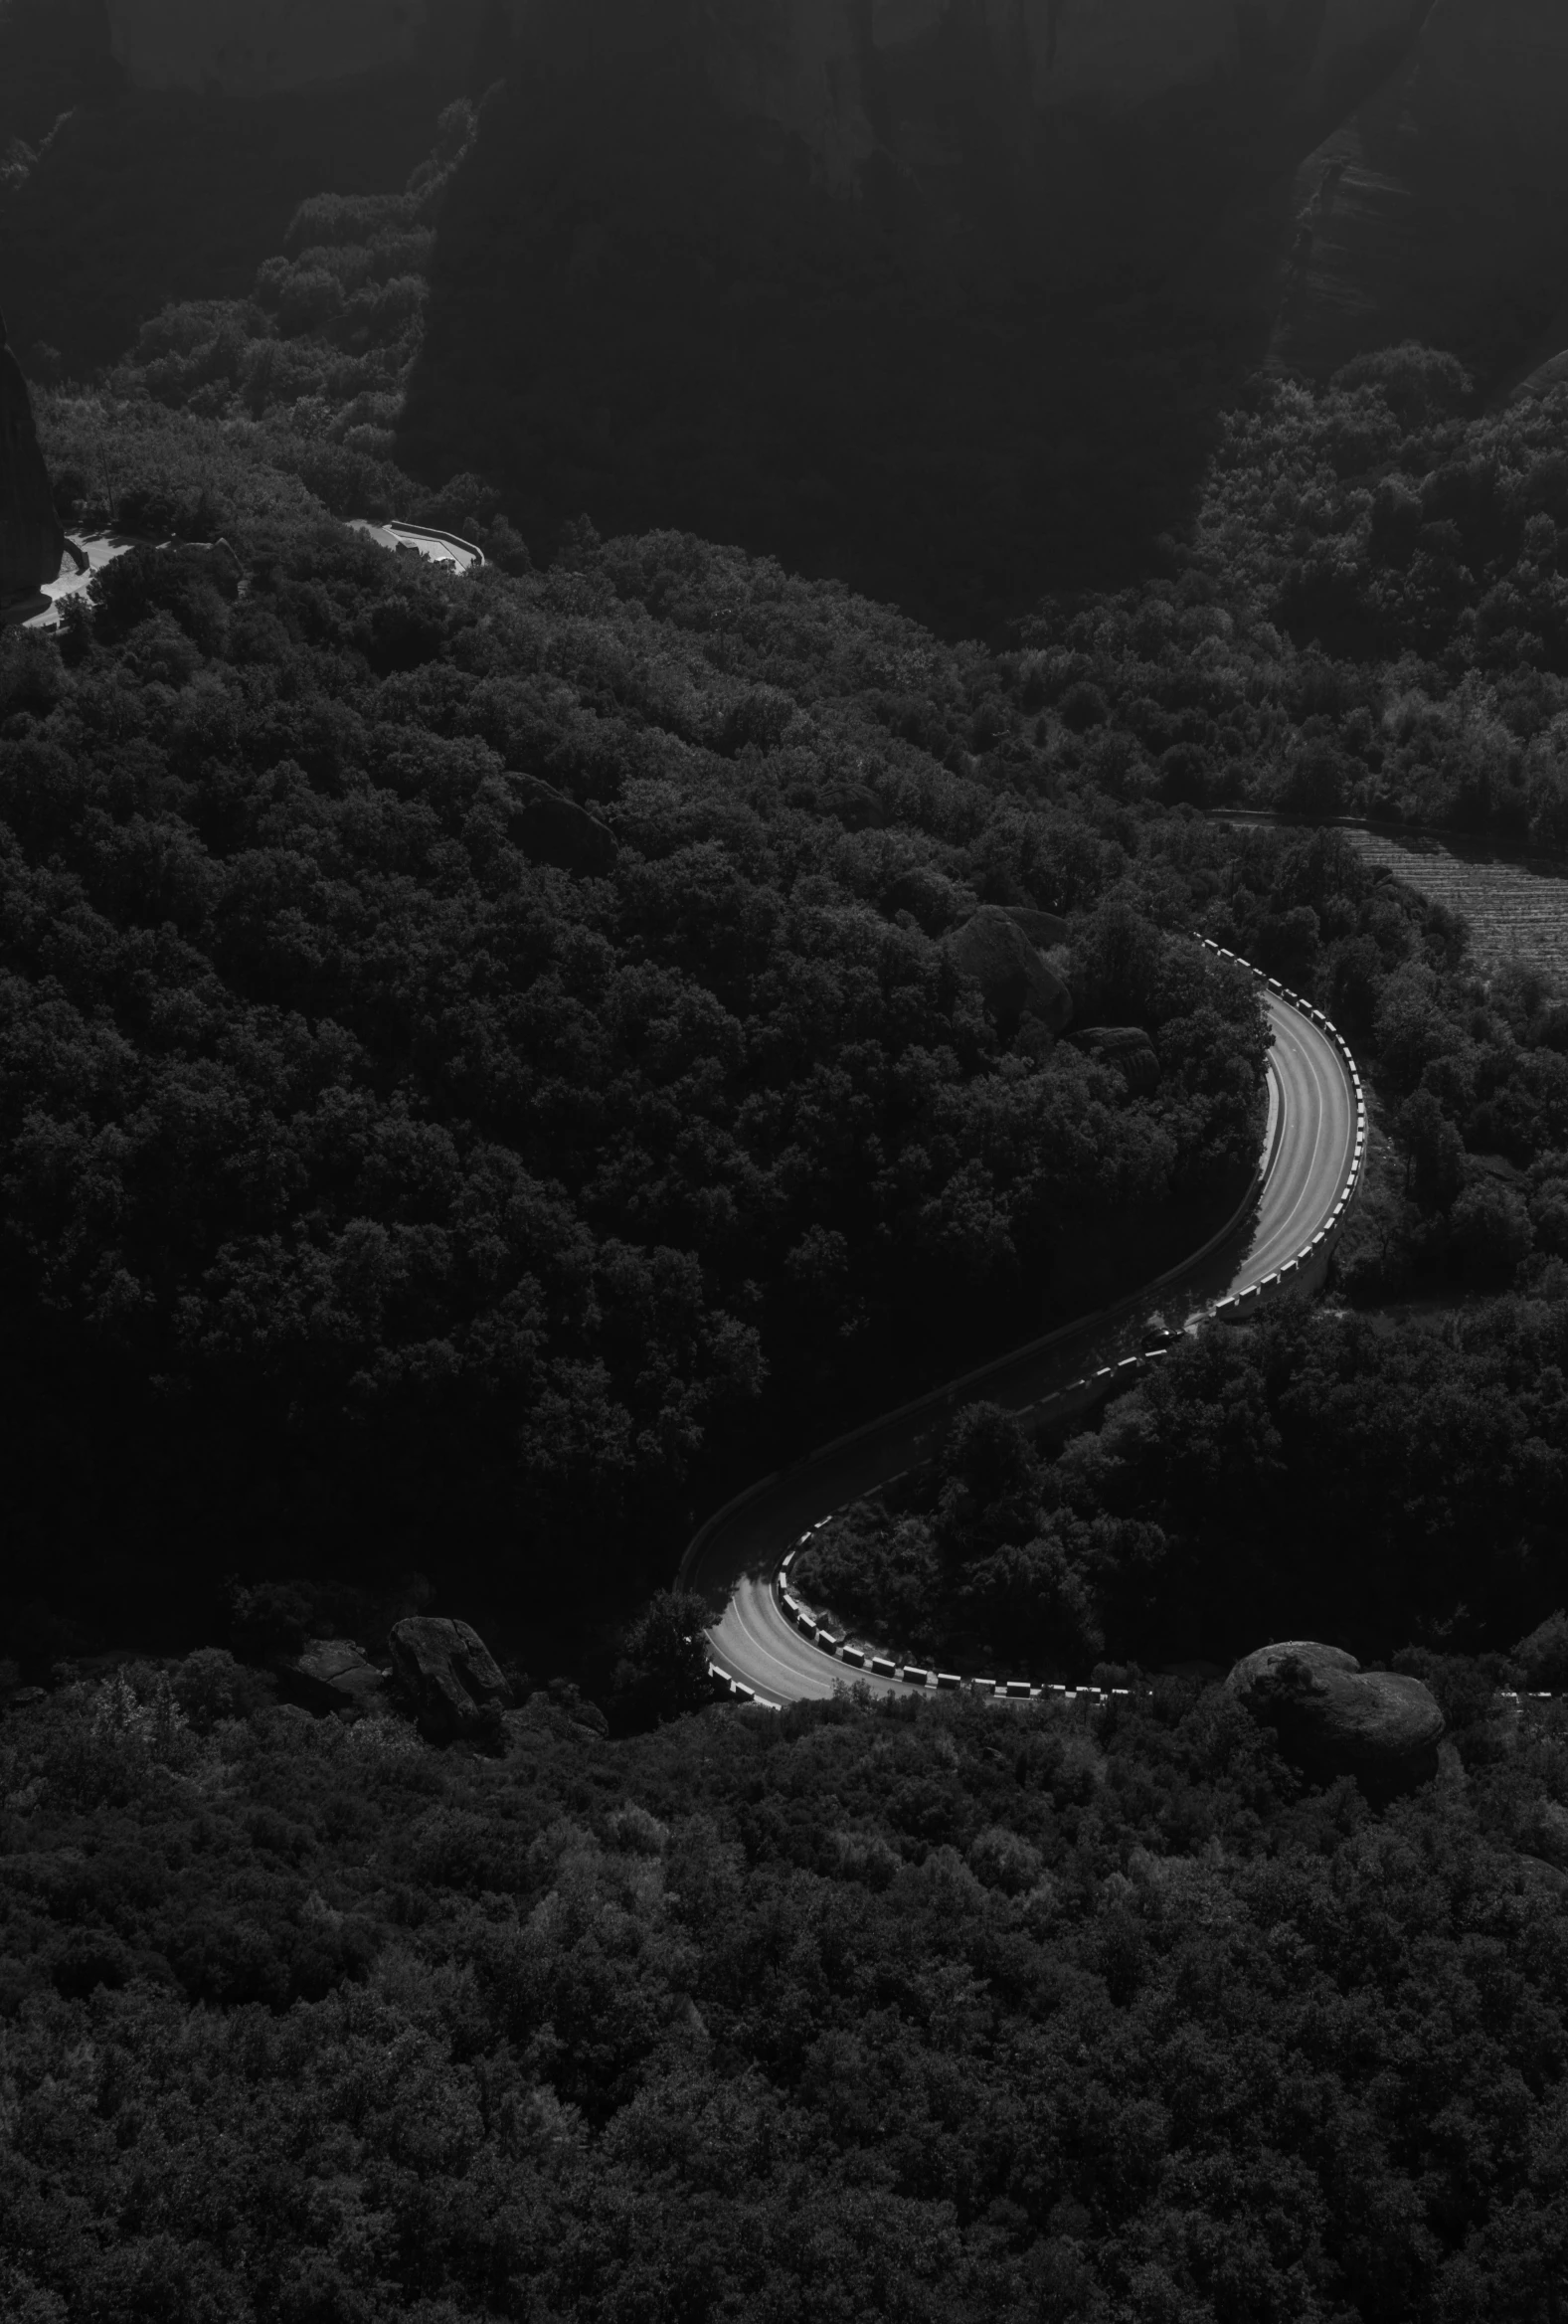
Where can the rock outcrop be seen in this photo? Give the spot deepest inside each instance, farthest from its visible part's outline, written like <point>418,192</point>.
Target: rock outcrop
<point>448,1677</point>
<point>1043,929</point>
<point>1332,1717</point>
<point>1129,1048</point>
<point>1034,130</point>
<point>1048,193</point>
<point>993,949</point>
<point>552,829</point>
<point>1045,193</point>
<point>32,538</point>
<point>1438,210</point>
<point>1544,380</point>
<point>332,1674</point>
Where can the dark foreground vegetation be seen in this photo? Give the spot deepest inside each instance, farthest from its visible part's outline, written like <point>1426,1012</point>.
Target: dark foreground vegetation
<point>857,2010</point>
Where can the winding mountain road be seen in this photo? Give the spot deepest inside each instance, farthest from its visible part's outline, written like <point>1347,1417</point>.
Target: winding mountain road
<point>1311,1154</point>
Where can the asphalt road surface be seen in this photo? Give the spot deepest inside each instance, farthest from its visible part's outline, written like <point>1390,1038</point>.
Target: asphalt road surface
<point>1310,1146</point>
<point>440,547</point>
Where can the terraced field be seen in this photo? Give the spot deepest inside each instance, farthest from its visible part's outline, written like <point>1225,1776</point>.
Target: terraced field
<point>1517,910</point>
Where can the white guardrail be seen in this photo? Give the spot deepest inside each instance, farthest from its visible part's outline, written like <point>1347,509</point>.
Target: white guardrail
<point>1307,1269</point>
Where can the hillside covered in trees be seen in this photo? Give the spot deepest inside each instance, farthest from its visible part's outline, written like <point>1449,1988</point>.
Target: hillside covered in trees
<point>1366,614</point>
<point>916,2011</point>
<point>471,1044</point>
<point>488,1071</point>
<point>1386,592</point>
<point>1313,1476</point>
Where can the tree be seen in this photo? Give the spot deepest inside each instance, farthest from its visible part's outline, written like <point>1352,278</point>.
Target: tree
<point>1434,1148</point>
<point>662,1669</point>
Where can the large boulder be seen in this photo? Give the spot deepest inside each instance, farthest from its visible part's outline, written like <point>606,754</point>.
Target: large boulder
<point>1544,380</point>
<point>32,538</point>
<point>1332,1717</point>
<point>449,1676</point>
<point>552,829</point>
<point>993,949</point>
<point>1043,929</point>
<point>332,1674</point>
<point>1129,1048</point>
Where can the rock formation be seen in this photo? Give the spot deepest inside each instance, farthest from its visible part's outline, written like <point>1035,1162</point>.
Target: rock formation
<point>1332,1717</point>
<point>1043,929</point>
<point>1544,380</point>
<point>1044,138</point>
<point>1129,1048</point>
<point>901,290</point>
<point>32,538</point>
<point>1438,208</point>
<point>448,1677</point>
<point>913,291</point>
<point>332,1674</point>
<point>993,949</point>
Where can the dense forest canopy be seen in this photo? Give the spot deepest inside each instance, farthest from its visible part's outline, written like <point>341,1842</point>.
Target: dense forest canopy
<point>469,1040</point>
<point>1311,1477</point>
<point>898,2010</point>
<point>1386,602</point>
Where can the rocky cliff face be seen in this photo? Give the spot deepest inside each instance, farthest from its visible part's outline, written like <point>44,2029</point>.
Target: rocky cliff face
<point>1439,208</point>
<point>852,79</point>
<point>1044,141</point>
<point>838,74</point>
<point>1035,117</point>
<point>31,541</point>
<point>933,294</point>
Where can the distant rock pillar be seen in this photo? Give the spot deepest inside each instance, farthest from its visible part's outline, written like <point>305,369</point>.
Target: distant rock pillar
<point>32,538</point>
